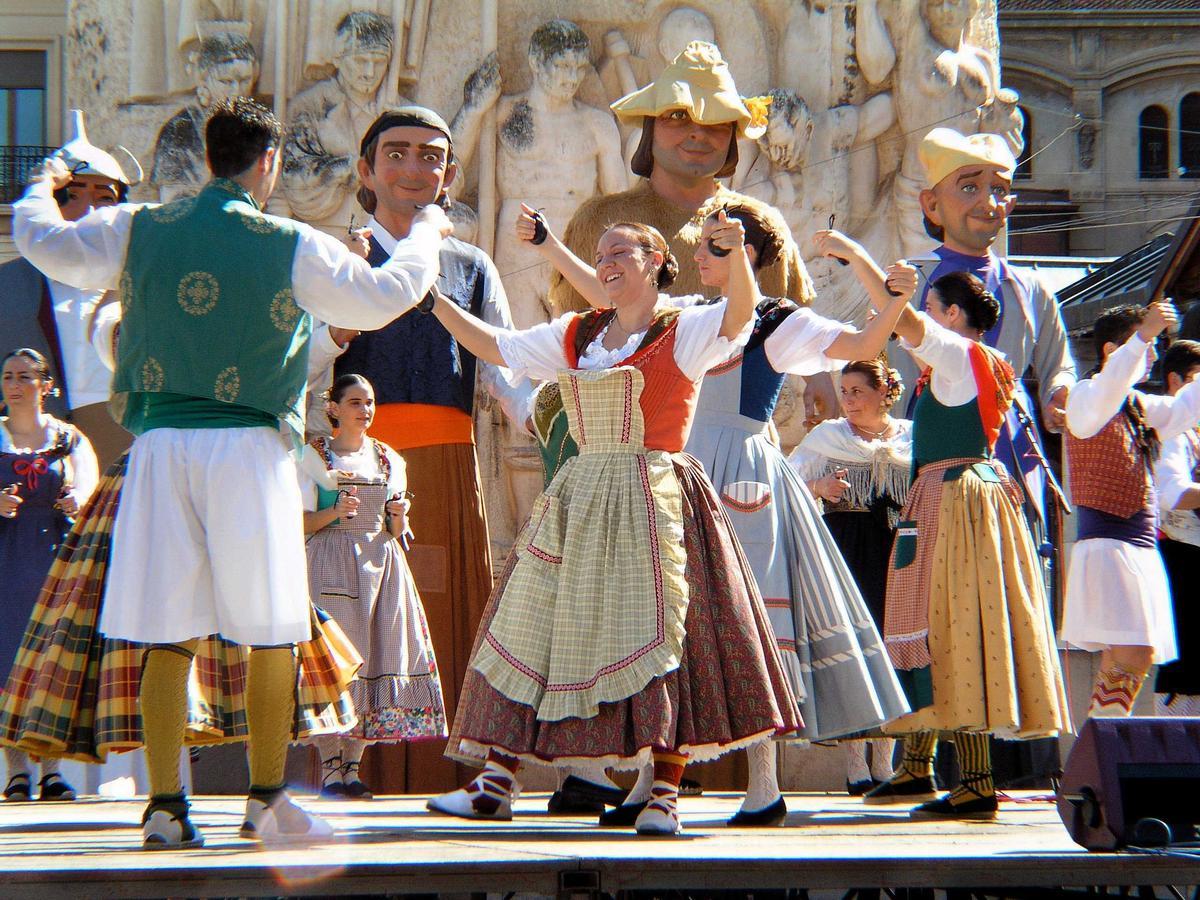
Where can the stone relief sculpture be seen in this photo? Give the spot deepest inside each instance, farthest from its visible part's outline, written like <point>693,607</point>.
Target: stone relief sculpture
<point>553,152</point>
<point>226,65</point>
<point>936,78</point>
<point>326,120</point>
<point>856,84</point>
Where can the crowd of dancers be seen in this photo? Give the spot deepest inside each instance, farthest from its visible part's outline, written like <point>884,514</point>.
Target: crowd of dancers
<point>680,590</point>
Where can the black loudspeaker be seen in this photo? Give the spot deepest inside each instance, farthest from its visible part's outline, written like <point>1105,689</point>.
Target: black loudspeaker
<point>1123,773</point>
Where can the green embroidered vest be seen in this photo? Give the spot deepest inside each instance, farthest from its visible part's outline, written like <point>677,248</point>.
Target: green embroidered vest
<point>207,309</point>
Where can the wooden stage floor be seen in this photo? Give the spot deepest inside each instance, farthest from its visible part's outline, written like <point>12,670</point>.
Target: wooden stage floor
<point>91,848</point>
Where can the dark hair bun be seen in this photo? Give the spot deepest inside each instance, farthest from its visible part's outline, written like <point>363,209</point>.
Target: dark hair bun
<point>966,291</point>
<point>669,271</point>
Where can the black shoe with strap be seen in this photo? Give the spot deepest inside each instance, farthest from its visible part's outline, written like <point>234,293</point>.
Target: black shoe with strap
<point>902,788</point>
<point>355,789</point>
<point>55,788</point>
<point>623,816</point>
<point>333,785</point>
<point>769,816</point>
<point>973,799</point>
<point>19,788</point>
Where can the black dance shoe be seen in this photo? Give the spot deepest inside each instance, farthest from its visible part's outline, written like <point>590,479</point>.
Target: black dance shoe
<point>858,788</point>
<point>977,808</point>
<point>19,789</point>
<point>623,816</point>
<point>909,790</point>
<point>55,788</point>
<point>767,817</point>
<point>577,790</point>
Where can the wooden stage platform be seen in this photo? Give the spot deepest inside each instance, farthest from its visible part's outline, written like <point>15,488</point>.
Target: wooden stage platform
<point>390,845</point>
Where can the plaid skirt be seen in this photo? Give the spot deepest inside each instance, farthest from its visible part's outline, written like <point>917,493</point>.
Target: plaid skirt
<point>73,693</point>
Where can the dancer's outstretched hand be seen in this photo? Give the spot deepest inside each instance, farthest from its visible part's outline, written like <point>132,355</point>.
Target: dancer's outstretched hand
<point>432,214</point>
<point>1161,316</point>
<point>835,245</point>
<point>526,225</point>
<point>359,242</point>
<point>901,279</point>
<point>729,235</point>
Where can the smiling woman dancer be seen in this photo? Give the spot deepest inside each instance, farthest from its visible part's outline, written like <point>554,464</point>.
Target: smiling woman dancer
<point>626,624</point>
<point>829,645</point>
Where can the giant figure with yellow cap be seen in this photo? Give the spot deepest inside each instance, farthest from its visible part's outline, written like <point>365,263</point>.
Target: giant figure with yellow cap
<point>966,200</point>
<point>55,318</point>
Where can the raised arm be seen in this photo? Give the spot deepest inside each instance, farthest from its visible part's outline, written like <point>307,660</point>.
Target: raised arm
<point>836,245</point>
<point>89,253</point>
<point>578,273</point>
<point>335,285</point>
<point>478,337</point>
<point>901,280</point>
<point>741,293</point>
<point>1093,402</point>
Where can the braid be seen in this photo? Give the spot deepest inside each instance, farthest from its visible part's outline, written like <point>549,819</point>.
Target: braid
<point>1144,434</point>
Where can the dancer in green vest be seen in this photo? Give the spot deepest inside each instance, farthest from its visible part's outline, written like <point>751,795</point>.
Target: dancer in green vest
<point>217,301</point>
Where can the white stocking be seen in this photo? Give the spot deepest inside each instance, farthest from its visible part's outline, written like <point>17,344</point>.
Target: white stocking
<point>763,787</point>
<point>856,761</point>
<point>640,792</point>
<point>882,751</point>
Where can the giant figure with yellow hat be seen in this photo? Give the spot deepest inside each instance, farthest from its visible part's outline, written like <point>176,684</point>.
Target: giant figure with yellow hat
<point>691,118</point>
<point>966,622</point>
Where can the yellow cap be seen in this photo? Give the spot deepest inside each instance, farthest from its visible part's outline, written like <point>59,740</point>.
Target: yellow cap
<point>697,80</point>
<point>945,150</point>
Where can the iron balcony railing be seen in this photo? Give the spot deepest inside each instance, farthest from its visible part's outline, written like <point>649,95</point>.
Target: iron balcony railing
<point>16,164</point>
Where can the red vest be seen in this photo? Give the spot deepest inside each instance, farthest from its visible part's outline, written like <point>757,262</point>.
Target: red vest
<point>1109,471</point>
<point>668,400</point>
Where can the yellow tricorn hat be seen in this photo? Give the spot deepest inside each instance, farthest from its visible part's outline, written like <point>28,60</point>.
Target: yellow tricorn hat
<point>697,80</point>
<point>945,150</point>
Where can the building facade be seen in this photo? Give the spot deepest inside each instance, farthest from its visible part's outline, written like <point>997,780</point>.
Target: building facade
<point>1111,94</point>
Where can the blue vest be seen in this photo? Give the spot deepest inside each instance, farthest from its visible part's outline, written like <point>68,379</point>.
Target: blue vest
<point>414,359</point>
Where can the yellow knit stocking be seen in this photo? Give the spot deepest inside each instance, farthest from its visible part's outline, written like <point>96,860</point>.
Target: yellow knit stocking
<point>164,713</point>
<point>270,713</point>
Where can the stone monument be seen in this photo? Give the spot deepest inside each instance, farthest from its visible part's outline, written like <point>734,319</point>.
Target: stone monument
<point>856,83</point>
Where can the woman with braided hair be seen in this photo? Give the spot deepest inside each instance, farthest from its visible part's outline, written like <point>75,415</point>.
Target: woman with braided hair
<point>965,618</point>
<point>1118,601</point>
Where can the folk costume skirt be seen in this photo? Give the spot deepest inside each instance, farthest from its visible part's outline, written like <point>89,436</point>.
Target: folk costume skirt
<point>966,618</point>
<point>828,640</point>
<point>728,688</point>
<point>1118,595</point>
<point>73,693</point>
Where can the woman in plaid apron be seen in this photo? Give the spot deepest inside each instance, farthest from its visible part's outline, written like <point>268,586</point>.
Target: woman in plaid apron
<point>356,515</point>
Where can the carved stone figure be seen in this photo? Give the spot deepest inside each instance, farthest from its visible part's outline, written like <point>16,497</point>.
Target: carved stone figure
<point>320,150</point>
<point>226,65</point>
<point>937,78</point>
<point>554,152</point>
